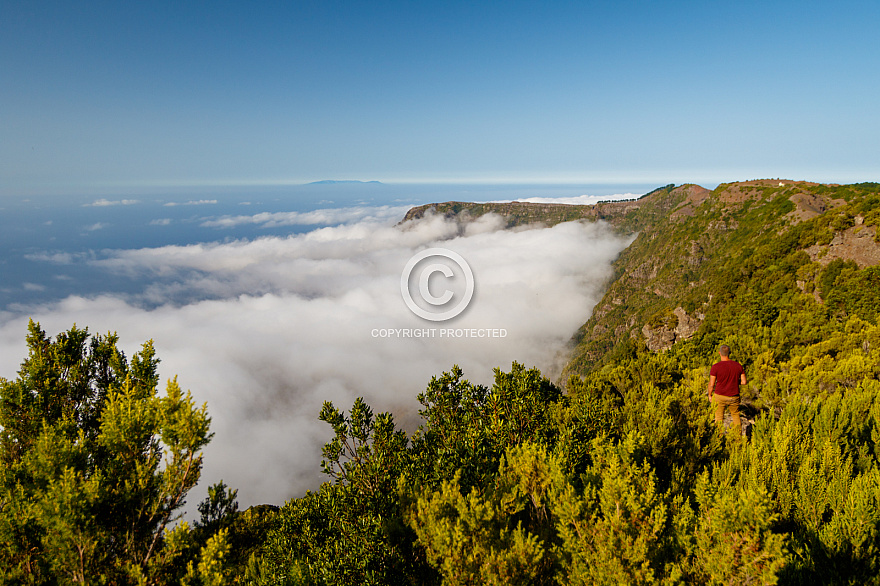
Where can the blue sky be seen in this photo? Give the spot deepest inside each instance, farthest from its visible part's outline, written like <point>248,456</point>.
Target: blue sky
<point>128,97</point>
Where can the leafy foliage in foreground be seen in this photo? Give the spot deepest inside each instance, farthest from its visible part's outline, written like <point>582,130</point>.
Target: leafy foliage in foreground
<point>95,467</point>
<point>623,480</point>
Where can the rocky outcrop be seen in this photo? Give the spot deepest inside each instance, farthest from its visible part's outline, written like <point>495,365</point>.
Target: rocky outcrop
<point>806,206</point>
<point>687,326</point>
<point>697,255</point>
<point>857,244</point>
<point>663,337</point>
<point>694,198</point>
<point>660,338</point>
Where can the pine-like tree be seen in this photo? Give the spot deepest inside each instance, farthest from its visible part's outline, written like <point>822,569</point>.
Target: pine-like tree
<point>96,465</point>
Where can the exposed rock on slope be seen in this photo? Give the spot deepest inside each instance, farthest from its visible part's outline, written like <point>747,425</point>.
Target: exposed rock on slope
<point>858,244</point>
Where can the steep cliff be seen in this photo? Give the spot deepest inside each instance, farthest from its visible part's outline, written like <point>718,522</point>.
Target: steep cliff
<point>703,256</point>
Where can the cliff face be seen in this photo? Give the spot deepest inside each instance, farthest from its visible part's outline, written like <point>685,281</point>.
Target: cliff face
<point>628,215</point>
<point>696,247</point>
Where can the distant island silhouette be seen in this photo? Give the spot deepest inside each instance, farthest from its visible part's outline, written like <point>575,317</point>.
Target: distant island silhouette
<point>338,182</point>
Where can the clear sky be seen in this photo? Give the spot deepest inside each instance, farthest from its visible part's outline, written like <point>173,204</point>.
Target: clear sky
<point>132,96</point>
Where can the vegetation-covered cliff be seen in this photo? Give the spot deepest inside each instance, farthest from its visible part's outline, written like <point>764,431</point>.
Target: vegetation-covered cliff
<point>703,260</point>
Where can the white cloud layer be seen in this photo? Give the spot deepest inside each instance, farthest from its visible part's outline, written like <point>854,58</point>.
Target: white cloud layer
<point>330,216</point>
<point>100,203</point>
<point>269,329</point>
<point>577,200</point>
<point>195,202</point>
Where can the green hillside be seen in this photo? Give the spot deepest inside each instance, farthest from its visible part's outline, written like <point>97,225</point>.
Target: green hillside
<point>742,258</point>
<point>708,264</point>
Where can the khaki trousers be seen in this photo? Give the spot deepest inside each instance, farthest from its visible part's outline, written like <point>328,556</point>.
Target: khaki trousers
<point>723,402</point>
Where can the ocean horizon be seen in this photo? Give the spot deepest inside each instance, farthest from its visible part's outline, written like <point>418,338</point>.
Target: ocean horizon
<point>48,244</point>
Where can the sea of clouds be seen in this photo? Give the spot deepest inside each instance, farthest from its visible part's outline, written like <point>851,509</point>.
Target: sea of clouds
<point>265,330</point>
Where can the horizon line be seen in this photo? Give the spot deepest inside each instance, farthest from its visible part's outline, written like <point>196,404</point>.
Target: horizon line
<point>703,178</point>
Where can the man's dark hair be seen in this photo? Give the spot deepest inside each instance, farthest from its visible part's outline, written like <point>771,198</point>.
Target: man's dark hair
<point>724,350</point>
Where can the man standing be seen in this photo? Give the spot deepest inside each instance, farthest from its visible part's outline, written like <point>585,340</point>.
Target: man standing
<point>725,377</point>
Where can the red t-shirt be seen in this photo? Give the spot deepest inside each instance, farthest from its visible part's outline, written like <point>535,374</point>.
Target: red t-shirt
<point>727,375</point>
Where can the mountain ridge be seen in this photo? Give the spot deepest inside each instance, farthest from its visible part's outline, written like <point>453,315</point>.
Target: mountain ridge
<point>689,242</point>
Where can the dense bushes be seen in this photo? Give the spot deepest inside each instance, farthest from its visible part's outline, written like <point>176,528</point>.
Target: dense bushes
<point>96,464</point>
<point>623,480</point>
